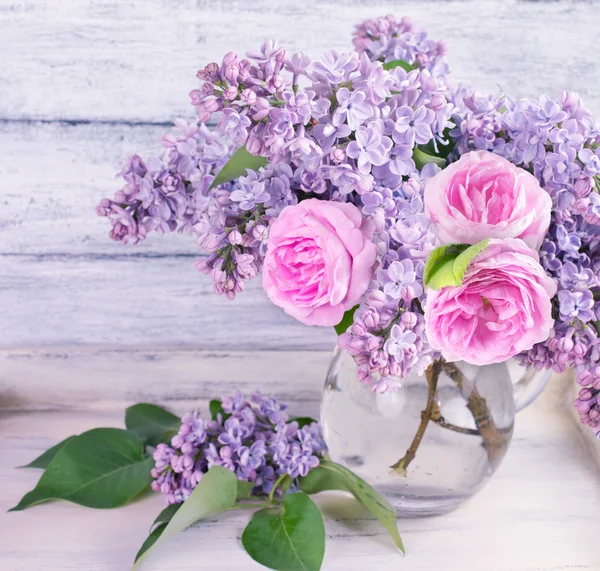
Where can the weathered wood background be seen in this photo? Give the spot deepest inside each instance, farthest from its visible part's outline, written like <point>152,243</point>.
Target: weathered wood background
<point>85,82</point>
<point>89,325</point>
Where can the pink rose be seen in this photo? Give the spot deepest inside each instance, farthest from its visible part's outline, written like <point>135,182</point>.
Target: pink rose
<point>502,308</point>
<point>319,260</point>
<point>483,196</point>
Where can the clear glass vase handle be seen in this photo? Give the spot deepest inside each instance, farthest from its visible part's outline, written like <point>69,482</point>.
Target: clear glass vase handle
<point>528,383</point>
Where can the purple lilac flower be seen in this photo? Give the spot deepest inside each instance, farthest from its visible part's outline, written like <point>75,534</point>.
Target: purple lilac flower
<point>413,125</point>
<point>400,281</point>
<point>257,442</point>
<point>353,108</point>
<point>370,147</point>
<point>334,68</point>
<point>576,305</point>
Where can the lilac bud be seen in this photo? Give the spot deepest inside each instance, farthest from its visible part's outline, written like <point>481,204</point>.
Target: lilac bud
<point>229,58</point>
<point>254,145</point>
<point>371,319</point>
<point>230,93</point>
<point>358,329</point>
<point>408,319</point>
<point>212,68</point>
<point>187,448</point>
<point>583,186</point>
<point>338,155</point>
<point>569,100</point>
<point>235,237</point>
<point>376,299</point>
<point>438,102</point>
<point>260,109</point>
<point>275,84</point>
<point>248,97</point>
<point>177,441</point>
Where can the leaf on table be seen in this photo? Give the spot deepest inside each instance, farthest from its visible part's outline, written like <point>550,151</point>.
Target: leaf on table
<point>43,460</point>
<point>331,476</point>
<point>157,527</point>
<point>153,424</point>
<point>287,538</point>
<point>151,539</point>
<point>166,515</point>
<point>237,165</point>
<point>216,492</point>
<point>244,489</point>
<point>102,468</point>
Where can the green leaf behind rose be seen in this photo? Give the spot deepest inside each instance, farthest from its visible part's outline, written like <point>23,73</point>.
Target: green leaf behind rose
<point>422,158</point>
<point>346,321</point>
<point>446,265</point>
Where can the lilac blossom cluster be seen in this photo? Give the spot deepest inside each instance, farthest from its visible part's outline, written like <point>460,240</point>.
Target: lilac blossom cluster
<point>351,136</point>
<point>387,337</point>
<point>386,39</point>
<point>173,191</point>
<point>559,142</point>
<point>254,438</point>
<point>164,193</point>
<point>360,127</point>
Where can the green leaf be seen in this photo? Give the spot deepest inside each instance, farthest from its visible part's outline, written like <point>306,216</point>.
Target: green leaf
<point>438,272</point>
<point>346,321</point>
<point>151,423</point>
<point>151,539</point>
<point>287,538</point>
<point>216,407</point>
<point>244,489</point>
<point>442,148</point>
<point>446,265</point>
<point>237,165</point>
<point>43,460</point>
<point>389,65</point>
<point>302,420</point>
<point>166,515</point>
<point>332,476</point>
<point>158,526</point>
<point>216,492</point>
<point>102,468</point>
<point>464,258</point>
<point>421,159</point>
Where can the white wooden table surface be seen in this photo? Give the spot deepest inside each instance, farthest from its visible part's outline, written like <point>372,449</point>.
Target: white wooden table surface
<point>88,326</point>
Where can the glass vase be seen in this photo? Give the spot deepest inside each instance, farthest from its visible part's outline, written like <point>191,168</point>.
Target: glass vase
<point>433,443</point>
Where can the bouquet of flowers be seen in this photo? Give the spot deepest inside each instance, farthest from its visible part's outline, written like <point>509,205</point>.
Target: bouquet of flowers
<point>423,220</point>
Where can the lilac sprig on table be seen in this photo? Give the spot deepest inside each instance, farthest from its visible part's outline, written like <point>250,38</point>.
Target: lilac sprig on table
<point>246,455</point>
<point>253,438</point>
